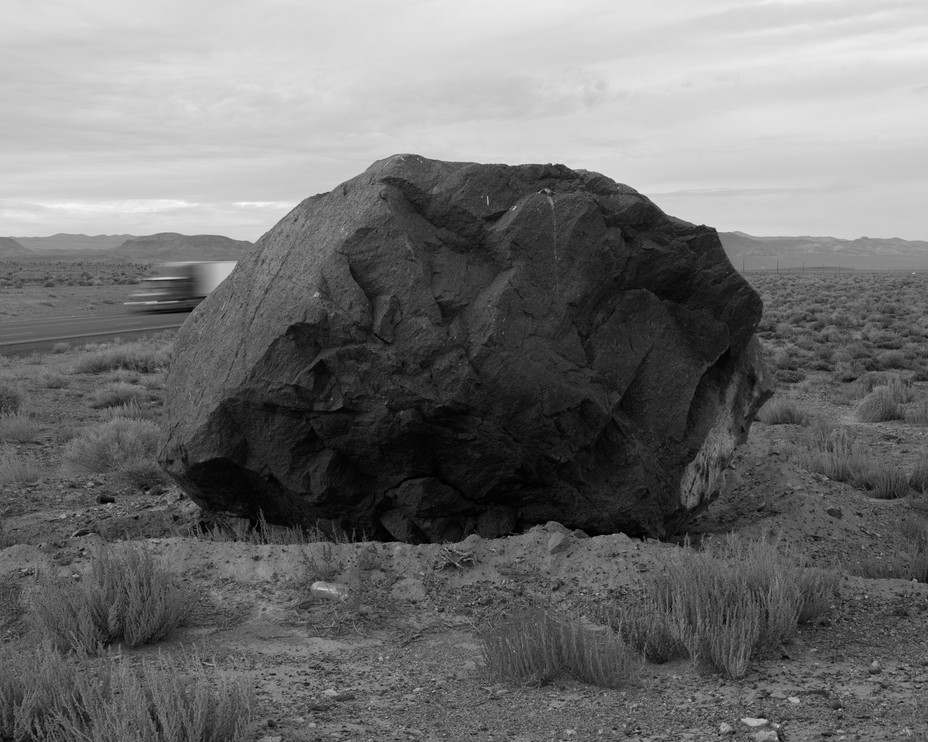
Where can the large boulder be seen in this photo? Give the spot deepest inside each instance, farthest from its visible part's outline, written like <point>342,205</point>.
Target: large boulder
<point>436,348</point>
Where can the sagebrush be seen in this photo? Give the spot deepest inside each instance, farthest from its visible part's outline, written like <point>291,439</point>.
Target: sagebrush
<point>142,356</point>
<point>127,597</point>
<point>45,696</point>
<point>834,452</point>
<point>11,398</point>
<point>18,468</point>
<point>18,427</point>
<point>782,411</point>
<point>118,393</point>
<point>118,444</point>
<point>724,605</point>
<point>537,644</point>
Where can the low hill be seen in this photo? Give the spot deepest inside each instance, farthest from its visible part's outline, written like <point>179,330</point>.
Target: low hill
<point>10,248</point>
<point>169,246</point>
<point>863,253</point>
<point>73,243</point>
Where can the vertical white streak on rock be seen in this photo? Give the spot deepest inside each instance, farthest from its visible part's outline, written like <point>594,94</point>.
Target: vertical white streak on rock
<point>557,282</point>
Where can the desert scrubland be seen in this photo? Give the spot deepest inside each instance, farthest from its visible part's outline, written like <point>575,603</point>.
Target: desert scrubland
<point>792,609</point>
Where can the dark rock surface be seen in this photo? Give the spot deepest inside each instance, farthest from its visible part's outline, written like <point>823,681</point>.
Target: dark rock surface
<point>435,348</point>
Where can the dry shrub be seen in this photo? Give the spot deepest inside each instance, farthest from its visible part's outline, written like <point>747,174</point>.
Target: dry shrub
<point>127,597</point>
<point>537,644</point>
<point>142,475</point>
<point>54,380</point>
<point>225,528</point>
<point>18,427</point>
<point>907,557</point>
<point>831,451</point>
<point>879,406</point>
<point>882,480</point>
<point>899,388</point>
<point>46,696</point>
<point>871,380</point>
<point>918,414</point>
<point>18,468</point>
<point>789,376</point>
<point>117,393</point>
<point>891,359</point>
<point>142,356</point>
<point>782,411</point>
<point>847,371</point>
<point>11,398</point>
<point>118,444</point>
<point>11,607</point>
<point>131,410</point>
<point>5,540</point>
<point>918,479</point>
<point>834,452</point>
<point>723,606</point>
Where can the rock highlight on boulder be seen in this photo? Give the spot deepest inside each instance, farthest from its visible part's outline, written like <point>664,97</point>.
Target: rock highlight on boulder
<point>436,348</point>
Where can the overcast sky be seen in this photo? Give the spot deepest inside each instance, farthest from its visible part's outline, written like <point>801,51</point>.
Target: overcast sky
<point>778,117</point>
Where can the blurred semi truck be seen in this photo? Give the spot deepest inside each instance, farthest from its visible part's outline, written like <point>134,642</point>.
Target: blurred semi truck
<point>180,286</point>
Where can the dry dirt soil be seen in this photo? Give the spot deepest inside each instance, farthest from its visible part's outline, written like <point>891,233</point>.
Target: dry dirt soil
<point>401,659</point>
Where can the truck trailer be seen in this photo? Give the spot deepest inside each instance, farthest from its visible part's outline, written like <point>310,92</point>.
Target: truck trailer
<point>180,286</point>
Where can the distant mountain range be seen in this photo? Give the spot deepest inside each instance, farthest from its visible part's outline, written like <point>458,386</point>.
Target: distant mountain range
<point>745,251</point>
<point>756,253</point>
<point>62,243</point>
<point>156,248</point>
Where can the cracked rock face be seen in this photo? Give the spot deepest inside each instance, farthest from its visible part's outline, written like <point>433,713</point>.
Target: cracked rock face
<point>437,348</point>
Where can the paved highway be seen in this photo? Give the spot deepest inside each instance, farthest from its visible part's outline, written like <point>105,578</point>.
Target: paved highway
<point>29,334</point>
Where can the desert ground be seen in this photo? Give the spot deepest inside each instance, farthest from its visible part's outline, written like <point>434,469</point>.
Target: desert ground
<point>834,470</point>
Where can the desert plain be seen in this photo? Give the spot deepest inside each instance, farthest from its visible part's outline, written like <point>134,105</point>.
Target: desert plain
<point>834,472</point>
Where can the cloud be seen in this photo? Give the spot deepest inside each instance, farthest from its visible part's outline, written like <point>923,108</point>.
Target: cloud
<point>216,107</point>
<point>246,220</point>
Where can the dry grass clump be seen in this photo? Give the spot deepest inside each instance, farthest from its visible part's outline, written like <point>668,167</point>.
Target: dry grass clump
<point>917,414</point>
<point>54,380</point>
<point>142,356</point>
<point>224,529</point>
<point>918,479</point>
<point>724,606</point>
<point>115,445</point>
<point>117,393</point>
<point>11,607</point>
<point>131,410</point>
<point>18,468</point>
<point>11,398</point>
<point>833,451</point>
<point>45,697</point>
<point>907,558</point>
<point>899,388</point>
<point>881,480</point>
<point>782,411</point>
<point>127,597</point>
<point>537,644</point>
<point>142,475</point>
<point>879,406</point>
<point>18,427</point>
